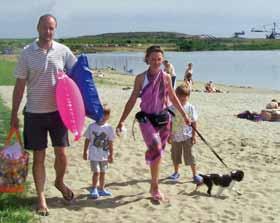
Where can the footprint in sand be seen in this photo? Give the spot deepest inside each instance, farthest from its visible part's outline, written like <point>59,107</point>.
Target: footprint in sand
<point>231,213</point>
<point>256,219</point>
<point>253,195</point>
<point>244,142</point>
<point>277,144</point>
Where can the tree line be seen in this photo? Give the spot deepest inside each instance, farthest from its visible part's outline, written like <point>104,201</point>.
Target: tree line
<point>127,41</point>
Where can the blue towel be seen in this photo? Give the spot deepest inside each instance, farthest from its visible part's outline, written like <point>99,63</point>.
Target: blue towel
<point>83,77</point>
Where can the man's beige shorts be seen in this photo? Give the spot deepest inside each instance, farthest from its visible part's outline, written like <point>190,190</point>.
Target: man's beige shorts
<point>182,148</point>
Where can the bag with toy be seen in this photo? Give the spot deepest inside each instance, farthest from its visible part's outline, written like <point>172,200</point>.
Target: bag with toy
<point>13,165</point>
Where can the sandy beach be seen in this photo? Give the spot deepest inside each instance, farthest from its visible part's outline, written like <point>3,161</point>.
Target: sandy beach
<point>250,146</point>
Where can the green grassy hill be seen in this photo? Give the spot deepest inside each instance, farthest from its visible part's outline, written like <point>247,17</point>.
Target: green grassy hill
<point>138,41</point>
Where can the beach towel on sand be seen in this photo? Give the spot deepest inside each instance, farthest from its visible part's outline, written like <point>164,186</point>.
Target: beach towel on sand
<point>154,100</point>
<point>253,116</point>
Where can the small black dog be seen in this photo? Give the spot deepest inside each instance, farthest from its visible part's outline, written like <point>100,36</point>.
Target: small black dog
<point>224,181</point>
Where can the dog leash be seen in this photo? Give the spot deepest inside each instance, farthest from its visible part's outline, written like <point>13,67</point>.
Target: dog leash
<point>209,146</point>
<point>204,140</point>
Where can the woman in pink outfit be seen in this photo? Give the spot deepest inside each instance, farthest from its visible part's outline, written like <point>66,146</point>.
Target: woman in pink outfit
<point>154,86</point>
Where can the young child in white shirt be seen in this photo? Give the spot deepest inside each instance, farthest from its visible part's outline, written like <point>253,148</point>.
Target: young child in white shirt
<point>98,148</point>
<point>183,136</point>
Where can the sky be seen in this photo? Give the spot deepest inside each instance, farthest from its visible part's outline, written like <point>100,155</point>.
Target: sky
<point>221,18</point>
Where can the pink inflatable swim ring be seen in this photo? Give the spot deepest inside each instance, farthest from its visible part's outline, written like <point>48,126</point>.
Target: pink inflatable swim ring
<point>70,104</point>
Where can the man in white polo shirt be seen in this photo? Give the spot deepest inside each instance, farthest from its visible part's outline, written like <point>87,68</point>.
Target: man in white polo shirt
<point>36,69</point>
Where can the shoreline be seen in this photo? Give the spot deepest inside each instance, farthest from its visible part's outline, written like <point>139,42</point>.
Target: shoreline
<point>113,76</point>
<point>200,84</point>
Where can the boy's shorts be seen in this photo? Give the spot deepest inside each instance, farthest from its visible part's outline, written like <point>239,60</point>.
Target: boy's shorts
<point>182,148</point>
<point>99,166</point>
<point>37,126</point>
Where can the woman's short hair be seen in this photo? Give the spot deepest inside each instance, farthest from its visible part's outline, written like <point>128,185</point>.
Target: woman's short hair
<point>152,49</point>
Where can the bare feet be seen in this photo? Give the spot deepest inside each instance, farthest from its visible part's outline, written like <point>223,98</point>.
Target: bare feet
<point>42,208</point>
<point>157,195</point>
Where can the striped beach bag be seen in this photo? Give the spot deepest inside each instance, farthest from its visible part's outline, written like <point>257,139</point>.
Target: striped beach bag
<point>13,164</point>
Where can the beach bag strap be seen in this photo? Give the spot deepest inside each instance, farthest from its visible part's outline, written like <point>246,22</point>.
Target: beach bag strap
<point>11,134</point>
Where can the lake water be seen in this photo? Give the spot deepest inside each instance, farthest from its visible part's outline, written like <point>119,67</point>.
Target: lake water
<point>245,68</point>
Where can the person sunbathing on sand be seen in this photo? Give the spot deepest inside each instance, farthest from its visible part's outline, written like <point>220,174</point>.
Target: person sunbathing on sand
<point>272,116</point>
<point>210,88</point>
<point>273,104</point>
<point>271,113</point>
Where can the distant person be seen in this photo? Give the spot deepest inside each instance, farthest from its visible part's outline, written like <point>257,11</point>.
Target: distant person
<point>98,148</point>
<point>210,88</point>
<point>188,76</point>
<point>169,68</point>
<point>183,136</point>
<point>188,80</point>
<point>155,89</point>
<point>189,69</point>
<point>264,115</point>
<point>36,69</point>
<point>270,113</point>
<point>273,104</point>
<point>273,115</point>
